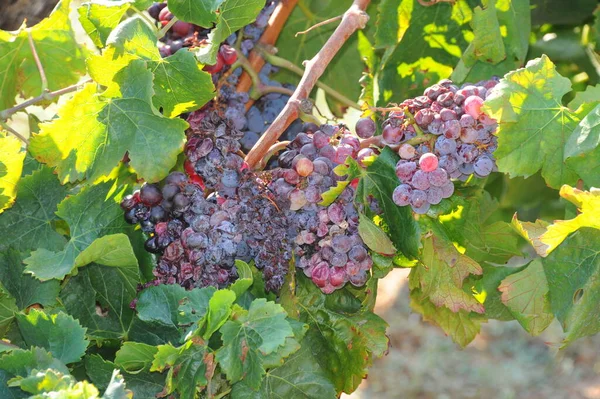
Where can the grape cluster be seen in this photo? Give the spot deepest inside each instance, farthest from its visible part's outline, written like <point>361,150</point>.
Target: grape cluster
<point>456,140</point>
<point>199,237</point>
<point>327,243</point>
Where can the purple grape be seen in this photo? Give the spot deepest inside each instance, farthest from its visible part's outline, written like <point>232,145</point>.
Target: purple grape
<point>438,177</point>
<point>401,195</point>
<point>483,166</point>
<point>420,180</point>
<point>418,198</point>
<point>365,128</point>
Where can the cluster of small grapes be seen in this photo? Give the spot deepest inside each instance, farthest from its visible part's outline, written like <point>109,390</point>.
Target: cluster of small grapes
<point>182,34</point>
<point>327,243</point>
<point>212,151</point>
<point>199,238</point>
<point>462,142</point>
<point>194,240</point>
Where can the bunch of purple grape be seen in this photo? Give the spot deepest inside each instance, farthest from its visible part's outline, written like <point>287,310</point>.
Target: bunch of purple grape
<point>199,237</point>
<point>456,140</point>
<point>327,243</point>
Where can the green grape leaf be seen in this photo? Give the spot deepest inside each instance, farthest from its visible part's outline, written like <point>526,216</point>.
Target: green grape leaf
<point>94,131</point>
<point>582,150</point>
<point>300,376</point>
<point>134,357</point>
<point>232,15</point>
<point>291,346</point>
<point>188,366</point>
<point>11,166</point>
<point>393,19</point>
<point>533,123</point>
<point>468,223</point>
<point>59,333</point>
<point>244,280</point>
<point>92,213</point>
<point>159,304</point>
<point>28,224</point>
<point>430,43</point>
<point>8,308</point>
<point>573,273</point>
<point>22,362</point>
<point>343,342</point>
<point>219,310</point>
<point>461,326</point>
<point>374,237</point>
<point>441,274</point>
<point>486,291</point>
<point>99,297</point>
<point>345,70</point>
<point>500,40</point>
<point>99,19</point>
<point>525,294</point>
<point>57,49</point>
<point>52,383</point>
<point>199,12</point>
<point>25,289</point>
<point>143,384</point>
<point>260,330</point>
<point>379,180</point>
<point>194,306</point>
<point>591,94</point>
<point>153,333</point>
<point>111,250</point>
<point>180,85</point>
<point>546,237</point>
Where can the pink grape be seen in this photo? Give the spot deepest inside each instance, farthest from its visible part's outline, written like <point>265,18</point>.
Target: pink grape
<point>473,106</point>
<point>428,162</point>
<point>320,274</point>
<point>406,151</point>
<point>304,167</point>
<point>392,135</point>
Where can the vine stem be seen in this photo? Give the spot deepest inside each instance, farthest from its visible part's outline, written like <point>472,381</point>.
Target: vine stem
<point>14,132</point>
<point>7,113</point>
<point>271,58</point>
<point>258,89</point>
<point>161,33</point>
<point>38,63</point>
<point>355,18</point>
<point>322,23</point>
<point>143,16</point>
<point>269,37</point>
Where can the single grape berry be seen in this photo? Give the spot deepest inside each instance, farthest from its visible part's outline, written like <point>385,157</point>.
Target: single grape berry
<point>304,167</point>
<point>150,194</point>
<point>365,128</point>
<point>392,135</point>
<point>228,53</point>
<point>428,162</point>
<point>473,105</point>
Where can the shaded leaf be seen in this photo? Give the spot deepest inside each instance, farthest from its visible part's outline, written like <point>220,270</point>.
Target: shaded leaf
<point>25,289</point>
<point>526,295</point>
<point>374,237</point>
<point>28,224</point>
<point>573,271</point>
<point>60,334</point>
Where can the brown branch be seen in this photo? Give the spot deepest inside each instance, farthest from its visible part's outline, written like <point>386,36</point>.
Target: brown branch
<point>322,23</point>
<point>5,114</point>
<point>269,37</point>
<point>429,3</point>
<point>14,132</point>
<point>355,18</point>
<point>38,63</point>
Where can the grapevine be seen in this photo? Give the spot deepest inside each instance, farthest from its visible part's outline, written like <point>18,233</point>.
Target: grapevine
<point>207,194</point>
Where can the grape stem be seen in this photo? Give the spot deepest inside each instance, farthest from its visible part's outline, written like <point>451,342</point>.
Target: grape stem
<point>271,58</point>
<point>275,148</point>
<point>269,37</point>
<point>144,17</point>
<point>355,18</point>
<point>14,132</point>
<point>315,26</point>
<point>38,63</point>
<point>429,3</point>
<point>161,33</point>
<point>7,113</point>
<point>258,89</point>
